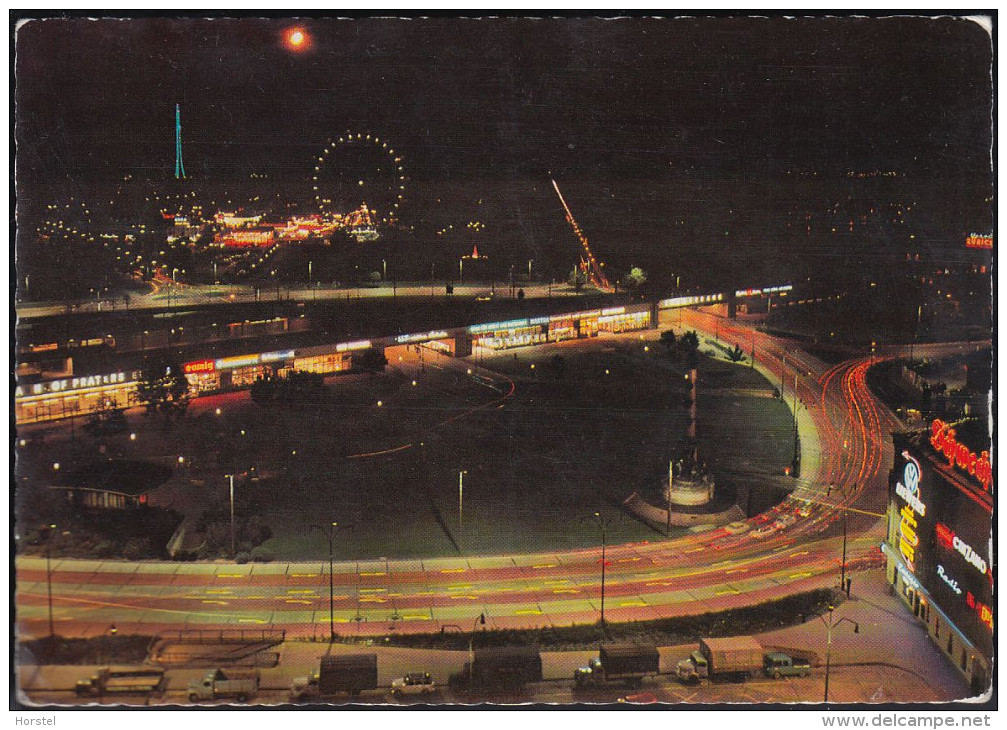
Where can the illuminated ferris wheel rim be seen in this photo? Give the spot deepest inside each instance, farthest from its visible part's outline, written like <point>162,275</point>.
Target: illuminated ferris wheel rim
<point>399,188</point>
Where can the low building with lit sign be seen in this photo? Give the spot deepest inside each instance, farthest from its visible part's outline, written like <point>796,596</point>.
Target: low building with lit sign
<point>938,546</point>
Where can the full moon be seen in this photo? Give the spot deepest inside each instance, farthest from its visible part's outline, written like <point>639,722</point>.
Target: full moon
<point>297,39</point>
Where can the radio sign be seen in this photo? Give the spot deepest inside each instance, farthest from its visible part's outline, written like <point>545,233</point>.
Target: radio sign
<point>199,366</point>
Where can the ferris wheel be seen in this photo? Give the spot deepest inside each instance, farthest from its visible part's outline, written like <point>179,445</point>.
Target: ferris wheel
<point>359,174</point>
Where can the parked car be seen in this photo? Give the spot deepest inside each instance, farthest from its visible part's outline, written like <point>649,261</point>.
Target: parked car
<point>414,683</point>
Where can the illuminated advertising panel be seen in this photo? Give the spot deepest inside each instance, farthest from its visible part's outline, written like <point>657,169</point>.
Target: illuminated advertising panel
<point>229,363</point>
<point>943,536</point>
<point>199,366</point>
<point>977,240</point>
<point>351,346</point>
<point>422,337</point>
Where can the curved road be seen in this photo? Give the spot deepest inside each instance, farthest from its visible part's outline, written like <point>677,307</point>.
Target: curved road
<point>845,452</point>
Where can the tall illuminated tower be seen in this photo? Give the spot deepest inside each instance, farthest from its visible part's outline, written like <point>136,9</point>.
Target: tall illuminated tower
<point>179,167</point>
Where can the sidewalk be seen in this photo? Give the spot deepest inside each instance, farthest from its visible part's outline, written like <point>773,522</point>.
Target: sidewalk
<point>888,635</point>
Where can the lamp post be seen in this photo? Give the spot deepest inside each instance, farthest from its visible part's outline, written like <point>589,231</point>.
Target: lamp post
<point>830,625</point>
<point>795,466</point>
<point>461,489</point>
<point>481,620</point>
<point>48,576</point>
<point>603,525</point>
<point>846,513</point>
<point>330,534</point>
<point>230,478</point>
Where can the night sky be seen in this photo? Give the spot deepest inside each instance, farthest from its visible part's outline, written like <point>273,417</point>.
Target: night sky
<point>491,97</point>
<point>654,121</point>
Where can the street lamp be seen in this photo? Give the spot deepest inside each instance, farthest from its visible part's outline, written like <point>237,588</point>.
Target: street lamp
<point>603,525</point>
<point>230,478</point>
<point>48,576</point>
<point>842,566</point>
<point>480,621</point>
<point>831,624</point>
<point>330,534</point>
<point>461,488</point>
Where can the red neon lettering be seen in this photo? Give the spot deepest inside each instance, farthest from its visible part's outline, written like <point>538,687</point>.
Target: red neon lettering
<point>944,440</point>
<point>944,535</point>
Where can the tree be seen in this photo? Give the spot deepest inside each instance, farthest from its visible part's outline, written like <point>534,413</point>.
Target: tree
<point>668,339</point>
<point>636,277</point>
<point>737,354</point>
<point>370,361</point>
<point>577,278</point>
<point>162,387</point>
<point>690,340</point>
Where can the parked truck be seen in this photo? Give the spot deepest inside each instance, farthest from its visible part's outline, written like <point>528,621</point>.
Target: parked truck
<point>509,667</point>
<point>625,663</point>
<point>736,657</point>
<point>122,680</point>
<point>239,684</point>
<point>776,664</point>
<point>338,674</point>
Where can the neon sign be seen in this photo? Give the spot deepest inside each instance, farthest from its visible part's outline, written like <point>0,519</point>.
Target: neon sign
<point>951,582</point>
<point>947,538</point>
<point>943,439</point>
<point>984,611</point>
<point>350,346</point>
<point>199,366</point>
<point>976,240</point>
<point>909,539</point>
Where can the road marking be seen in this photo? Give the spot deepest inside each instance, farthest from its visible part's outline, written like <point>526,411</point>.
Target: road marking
<point>251,621</point>
<point>217,603</point>
<point>460,588</point>
<point>731,591</point>
<point>695,550</point>
<point>661,583</point>
<point>527,611</point>
<point>373,574</point>
<point>545,565</point>
<point>373,599</point>
<point>798,554</point>
<point>556,582</point>
<point>736,570</point>
<point>453,570</point>
<point>304,575</point>
<point>231,575</point>
<point>373,590</point>
<point>466,597</point>
<point>298,600</point>
<point>633,603</point>
<point>415,618</point>
<point>565,590</point>
<point>300,590</point>
<point>219,591</point>
<point>800,575</point>
<point>628,560</point>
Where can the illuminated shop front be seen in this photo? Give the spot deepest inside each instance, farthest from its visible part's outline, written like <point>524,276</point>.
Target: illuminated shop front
<point>618,320</point>
<point>504,335</point>
<point>939,544</point>
<point>74,396</point>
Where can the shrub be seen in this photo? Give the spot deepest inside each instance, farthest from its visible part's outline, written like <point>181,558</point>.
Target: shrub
<point>241,558</point>
<point>136,548</point>
<point>261,555</point>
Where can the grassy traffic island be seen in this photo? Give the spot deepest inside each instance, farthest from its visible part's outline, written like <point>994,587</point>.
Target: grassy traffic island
<point>535,439</point>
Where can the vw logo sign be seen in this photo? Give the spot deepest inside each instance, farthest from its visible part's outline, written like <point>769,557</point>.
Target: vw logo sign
<point>911,474</point>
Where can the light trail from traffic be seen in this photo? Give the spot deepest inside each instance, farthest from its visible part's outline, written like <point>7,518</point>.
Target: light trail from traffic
<point>844,433</point>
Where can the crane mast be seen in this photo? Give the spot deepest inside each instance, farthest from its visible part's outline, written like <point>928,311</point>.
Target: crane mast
<point>588,262</point>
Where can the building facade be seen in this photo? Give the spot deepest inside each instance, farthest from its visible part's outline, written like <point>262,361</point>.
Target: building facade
<point>939,543</point>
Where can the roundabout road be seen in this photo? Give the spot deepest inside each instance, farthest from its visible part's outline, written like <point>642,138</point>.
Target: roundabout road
<point>796,546</point>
